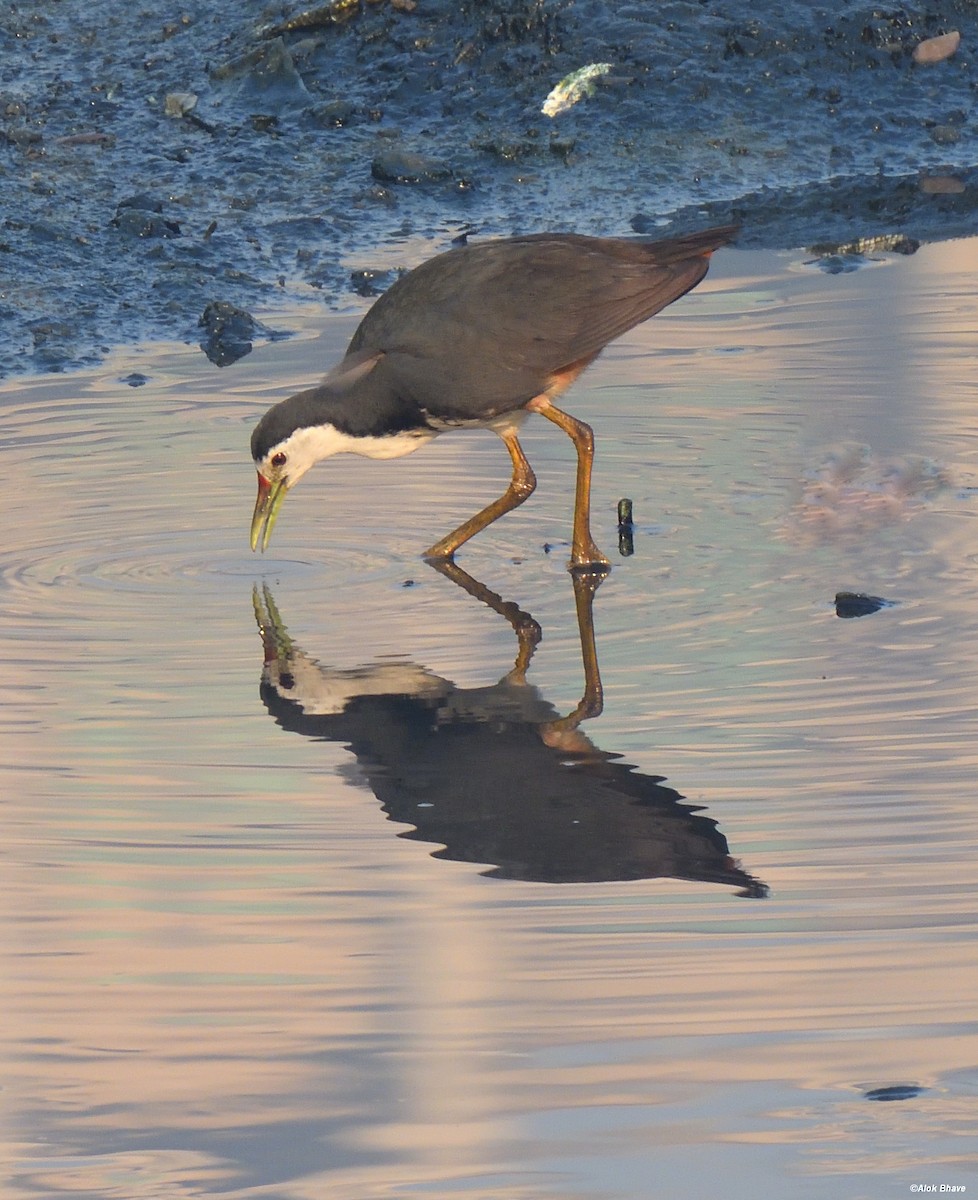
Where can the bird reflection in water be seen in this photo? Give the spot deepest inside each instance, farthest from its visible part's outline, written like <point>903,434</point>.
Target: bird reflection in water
<point>495,774</point>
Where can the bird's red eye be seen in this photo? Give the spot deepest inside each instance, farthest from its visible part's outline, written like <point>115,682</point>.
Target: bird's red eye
<point>278,460</point>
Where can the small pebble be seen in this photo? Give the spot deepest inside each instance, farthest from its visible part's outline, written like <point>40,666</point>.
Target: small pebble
<point>936,49</point>
<point>404,166</point>
<point>857,604</point>
<point>899,1092</point>
<point>178,104</point>
<point>945,135</point>
<point>941,185</point>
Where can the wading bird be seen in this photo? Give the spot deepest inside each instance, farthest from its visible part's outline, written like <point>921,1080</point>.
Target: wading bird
<point>479,337</point>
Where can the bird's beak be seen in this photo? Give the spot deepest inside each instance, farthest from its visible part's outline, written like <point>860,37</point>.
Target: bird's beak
<point>270,497</point>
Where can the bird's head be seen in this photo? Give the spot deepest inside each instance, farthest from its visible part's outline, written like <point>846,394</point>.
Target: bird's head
<point>284,447</point>
<point>341,414</point>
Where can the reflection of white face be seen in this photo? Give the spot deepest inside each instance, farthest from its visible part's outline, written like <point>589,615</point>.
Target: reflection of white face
<point>292,458</point>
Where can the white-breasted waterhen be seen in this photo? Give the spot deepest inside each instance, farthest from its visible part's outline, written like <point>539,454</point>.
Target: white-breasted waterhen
<point>478,337</point>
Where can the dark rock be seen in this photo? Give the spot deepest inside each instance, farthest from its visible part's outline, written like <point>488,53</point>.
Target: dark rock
<point>22,136</point>
<point>857,604</point>
<point>266,75</point>
<point>141,217</point>
<point>509,149</point>
<point>898,1092</point>
<point>331,115</point>
<point>143,201</point>
<point>404,166</point>
<point>230,332</point>
<point>562,147</point>
<point>945,135</point>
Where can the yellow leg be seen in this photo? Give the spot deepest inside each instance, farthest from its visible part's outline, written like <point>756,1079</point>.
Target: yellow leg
<point>520,488</point>
<point>585,555</point>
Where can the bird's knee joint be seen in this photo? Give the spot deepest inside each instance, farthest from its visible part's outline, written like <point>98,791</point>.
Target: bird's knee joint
<point>584,441</point>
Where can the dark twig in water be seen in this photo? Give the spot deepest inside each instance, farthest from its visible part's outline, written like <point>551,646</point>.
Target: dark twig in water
<point>626,545</point>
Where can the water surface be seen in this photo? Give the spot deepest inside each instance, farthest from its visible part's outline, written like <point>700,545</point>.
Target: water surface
<point>236,963</point>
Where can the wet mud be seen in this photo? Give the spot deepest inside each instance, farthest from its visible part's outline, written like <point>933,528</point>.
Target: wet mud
<point>154,166</point>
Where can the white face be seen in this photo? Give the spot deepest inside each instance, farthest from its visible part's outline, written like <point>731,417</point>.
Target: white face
<point>293,457</point>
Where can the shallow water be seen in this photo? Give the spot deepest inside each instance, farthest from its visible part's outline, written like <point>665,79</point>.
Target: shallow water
<point>232,966</point>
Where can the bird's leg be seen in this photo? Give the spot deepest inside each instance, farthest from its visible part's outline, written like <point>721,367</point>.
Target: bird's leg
<point>585,555</point>
<point>520,488</point>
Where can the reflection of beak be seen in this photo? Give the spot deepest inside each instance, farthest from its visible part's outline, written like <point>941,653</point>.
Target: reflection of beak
<point>275,638</point>
<point>270,497</point>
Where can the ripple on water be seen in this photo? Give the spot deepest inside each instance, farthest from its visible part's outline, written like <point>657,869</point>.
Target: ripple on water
<point>154,564</point>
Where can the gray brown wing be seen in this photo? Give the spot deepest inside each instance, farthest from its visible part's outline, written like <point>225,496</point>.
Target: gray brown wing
<point>482,329</point>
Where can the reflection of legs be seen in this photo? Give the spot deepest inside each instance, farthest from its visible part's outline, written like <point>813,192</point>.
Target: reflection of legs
<point>520,488</point>
<point>528,632</point>
<point>592,701</point>
<point>584,553</point>
<point>564,733</point>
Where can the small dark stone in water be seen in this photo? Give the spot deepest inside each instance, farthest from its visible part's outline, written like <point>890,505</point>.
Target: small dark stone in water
<point>230,332</point>
<point>219,317</point>
<point>857,604</point>
<point>404,166</point>
<point>904,1091</point>
<point>945,135</point>
<point>331,115</point>
<point>409,583</point>
<point>381,195</point>
<point>23,137</point>
<point>135,379</point>
<point>141,217</point>
<point>509,149</point>
<point>142,201</point>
